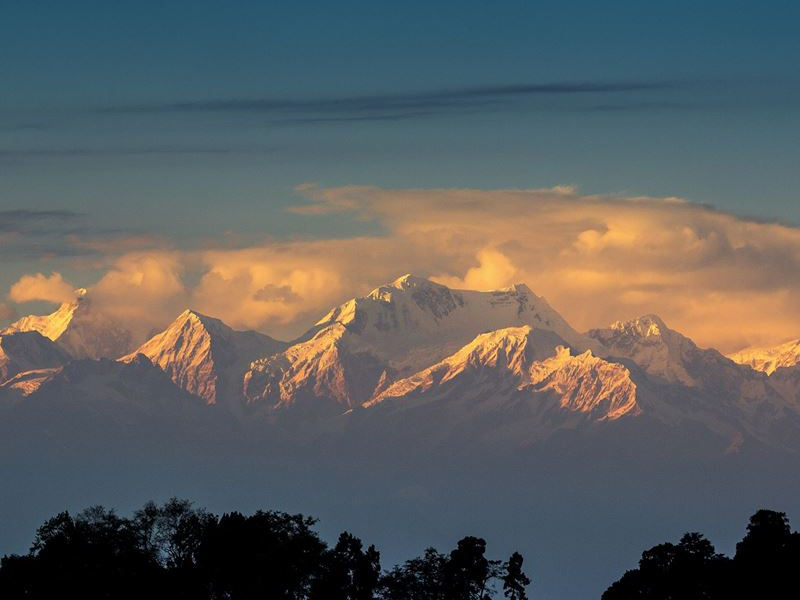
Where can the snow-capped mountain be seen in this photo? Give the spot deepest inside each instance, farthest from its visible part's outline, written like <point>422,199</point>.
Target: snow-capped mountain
<point>205,357</point>
<point>95,408</point>
<point>525,382</point>
<point>769,359</point>
<point>113,388</point>
<point>324,375</point>
<point>51,326</point>
<point>415,402</point>
<point>528,384</point>
<point>398,329</point>
<point>500,357</point>
<point>412,322</point>
<point>23,351</point>
<point>414,346</point>
<point>686,384</point>
<point>492,362</point>
<point>663,352</point>
<point>79,329</point>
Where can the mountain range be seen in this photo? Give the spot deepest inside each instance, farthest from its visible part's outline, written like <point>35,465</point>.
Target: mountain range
<point>412,414</point>
<point>505,358</point>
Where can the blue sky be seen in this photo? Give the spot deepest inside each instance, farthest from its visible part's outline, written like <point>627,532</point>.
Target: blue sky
<point>194,120</point>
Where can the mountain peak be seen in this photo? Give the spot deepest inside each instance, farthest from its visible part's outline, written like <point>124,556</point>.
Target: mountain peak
<point>508,345</point>
<point>518,288</point>
<point>413,321</point>
<point>196,317</point>
<point>514,345</point>
<point>402,328</point>
<point>769,359</point>
<point>408,281</point>
<point>51,326</point>
<point>203,355</point>
<point>80,328</point>
<point>645,327</point>
<point>659,350</point>
<point>509,350</point>
<point>526,375</point>
<point>506,334</point>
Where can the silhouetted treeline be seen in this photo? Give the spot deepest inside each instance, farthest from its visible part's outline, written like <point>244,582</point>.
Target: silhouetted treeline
<point>766,566</point>
<point>176,551</point>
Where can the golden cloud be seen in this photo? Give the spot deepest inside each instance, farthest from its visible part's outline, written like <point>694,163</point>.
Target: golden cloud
<point>39,286</point>
<point>143,290</point>
<point>724,280</point>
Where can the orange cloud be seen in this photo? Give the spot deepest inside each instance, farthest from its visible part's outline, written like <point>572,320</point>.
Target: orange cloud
<point>50,288</point>
<point>724,280</point>
<point>495,270</point>
<point>143,290</point>
<point>283,288</point>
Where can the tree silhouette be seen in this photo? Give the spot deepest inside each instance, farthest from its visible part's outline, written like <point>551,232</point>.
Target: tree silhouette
<point>464,574</point>
<point>177,552</point>
<point>468,571</point>
<point>764,566</point>
<point>265,555</point>
<point>514,579</point>
<point>93,555</point>
<point>689,569</point>
<point>768,556</point>
<point>348,573</point>
<point>420,578</point>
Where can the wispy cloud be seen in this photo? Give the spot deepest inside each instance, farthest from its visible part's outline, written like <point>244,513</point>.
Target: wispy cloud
<point>23,220</point>
<point>99,152</point>
<point>636,107</point>
<point>28,233</point>
<point>402,105</point>
<point>387,117</point>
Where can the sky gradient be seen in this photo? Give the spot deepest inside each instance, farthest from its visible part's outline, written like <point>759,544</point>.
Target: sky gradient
<point>175,136</point>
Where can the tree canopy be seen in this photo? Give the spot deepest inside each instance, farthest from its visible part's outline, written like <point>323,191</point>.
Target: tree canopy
<point>177,551</point>
<point>765,565</point>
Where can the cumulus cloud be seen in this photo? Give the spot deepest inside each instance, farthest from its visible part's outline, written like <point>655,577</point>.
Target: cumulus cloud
<point>276,293</point>
<point>724,280</point>
<point>494,270</point>
<point>50,288</point>
<point>143,290</point>
<point>285,287</point>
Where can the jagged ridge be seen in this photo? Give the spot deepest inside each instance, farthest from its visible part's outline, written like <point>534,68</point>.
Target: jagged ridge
<point>23,351</point>
<point>769,359</point>
<point>204,356</point>
<point>79,329</point>
<point>359,347</point>
<point>519,365</point>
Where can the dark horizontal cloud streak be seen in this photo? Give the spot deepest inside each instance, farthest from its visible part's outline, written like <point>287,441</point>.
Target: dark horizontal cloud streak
<point>399,105</point>
<point>23,220</point>
<point>12,153</point>
<point>54,233</point>
<point>29,215</point>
